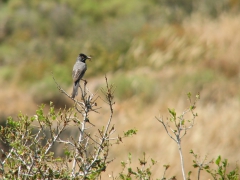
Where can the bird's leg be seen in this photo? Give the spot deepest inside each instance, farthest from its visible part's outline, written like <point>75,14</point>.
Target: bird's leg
<point>85,81</point>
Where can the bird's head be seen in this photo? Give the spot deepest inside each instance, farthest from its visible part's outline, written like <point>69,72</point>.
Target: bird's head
<point>82,57</point>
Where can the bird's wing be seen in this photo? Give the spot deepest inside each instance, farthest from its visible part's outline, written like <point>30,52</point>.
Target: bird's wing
<point>78,72</point>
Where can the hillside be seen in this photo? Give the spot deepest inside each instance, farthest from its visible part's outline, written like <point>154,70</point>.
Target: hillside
<point>153,52</point>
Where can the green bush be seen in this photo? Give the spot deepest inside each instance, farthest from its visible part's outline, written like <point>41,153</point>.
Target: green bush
<point>7,73</point>
<point>31,140</point>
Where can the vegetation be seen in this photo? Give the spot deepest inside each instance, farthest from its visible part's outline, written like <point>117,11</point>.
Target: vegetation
<point>86,155</point>
<point>153,52</point>
<point>48,35</point>
<point>30,142</point>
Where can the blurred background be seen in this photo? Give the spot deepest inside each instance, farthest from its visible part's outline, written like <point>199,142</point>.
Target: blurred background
<point>154,52</point>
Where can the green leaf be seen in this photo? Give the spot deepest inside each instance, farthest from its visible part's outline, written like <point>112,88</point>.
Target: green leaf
<point>225,163</point>
<point>130,170</point>
<point>121,176</point>
<point>67,153</point>
<point>123,164</point>
<point>218,160</point>
<point>198,96</point>
<point>182,122</point>
<point>130,132</point>
<point>166,166</point>
<point>206,167</point>
<point>39,113</point>
<point>153,161</point>
<point>208,171</point>
<point>195,165</point>
<point>130,157</point>
<point>173,113</point>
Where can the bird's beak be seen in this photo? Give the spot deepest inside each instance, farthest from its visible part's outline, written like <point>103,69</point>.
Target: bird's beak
<point>90,58</point>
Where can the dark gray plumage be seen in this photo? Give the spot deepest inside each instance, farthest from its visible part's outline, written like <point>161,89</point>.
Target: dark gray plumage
<point>78,72</point>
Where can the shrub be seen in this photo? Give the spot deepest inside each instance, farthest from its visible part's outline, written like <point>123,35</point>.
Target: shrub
<point>85,156</point>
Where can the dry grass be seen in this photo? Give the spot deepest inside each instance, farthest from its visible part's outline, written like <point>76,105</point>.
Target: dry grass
<point>222,40</point>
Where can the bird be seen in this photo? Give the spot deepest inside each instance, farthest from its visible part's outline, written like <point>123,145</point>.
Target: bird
<point>78,72</point>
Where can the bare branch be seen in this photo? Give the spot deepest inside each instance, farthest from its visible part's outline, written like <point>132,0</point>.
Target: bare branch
<point>179,124</point>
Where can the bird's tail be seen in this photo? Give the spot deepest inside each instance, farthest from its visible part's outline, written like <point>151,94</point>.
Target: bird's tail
<point>75,89</point>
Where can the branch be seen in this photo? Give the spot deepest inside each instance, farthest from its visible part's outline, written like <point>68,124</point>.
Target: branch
<point>166,129</point>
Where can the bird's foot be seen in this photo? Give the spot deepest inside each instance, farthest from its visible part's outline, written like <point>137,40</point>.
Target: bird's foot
<point>85,81</point>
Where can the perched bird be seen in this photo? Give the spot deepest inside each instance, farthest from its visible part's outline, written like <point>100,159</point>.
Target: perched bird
<point>79,70</point>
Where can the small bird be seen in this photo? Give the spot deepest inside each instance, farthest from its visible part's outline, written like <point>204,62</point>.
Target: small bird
<point>78,72</point>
